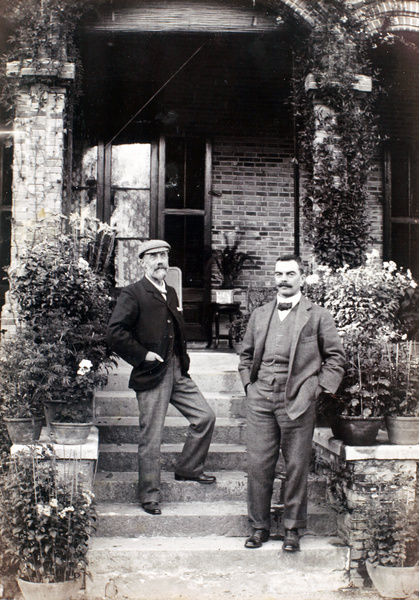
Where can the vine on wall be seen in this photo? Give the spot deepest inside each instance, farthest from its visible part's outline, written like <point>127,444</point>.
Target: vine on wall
<point>338,137</point>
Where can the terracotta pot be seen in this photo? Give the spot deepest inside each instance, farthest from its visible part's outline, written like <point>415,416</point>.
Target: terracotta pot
<point>63,590</point>
<point>25,430</point>
<point>70,433</point>
<point>394,582</point>
<point>356,431</point>
<point>403,430</point>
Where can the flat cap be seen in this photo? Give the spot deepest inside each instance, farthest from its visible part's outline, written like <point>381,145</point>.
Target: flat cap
<point>152,245</point>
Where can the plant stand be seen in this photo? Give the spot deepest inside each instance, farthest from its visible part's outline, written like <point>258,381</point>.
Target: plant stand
<point>81,458</point>
<point>365,474</point>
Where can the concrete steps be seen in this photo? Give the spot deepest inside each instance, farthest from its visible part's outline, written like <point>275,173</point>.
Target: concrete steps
<point>195,548</point>
<point>215,567</point>
<point>121,486</point>
<point>195,519</point>
<point>124,457</point>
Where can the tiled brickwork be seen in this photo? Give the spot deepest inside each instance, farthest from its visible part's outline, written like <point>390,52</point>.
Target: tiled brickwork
<point>363,479</point>
<point>253,191</point>
<point>38,156</point>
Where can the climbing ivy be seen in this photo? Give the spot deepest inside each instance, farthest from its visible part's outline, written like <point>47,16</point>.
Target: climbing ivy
<point>338,143</point>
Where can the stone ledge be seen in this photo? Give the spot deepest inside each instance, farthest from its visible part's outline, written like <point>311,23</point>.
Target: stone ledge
<point>381,450</point>
<point>43,68</point>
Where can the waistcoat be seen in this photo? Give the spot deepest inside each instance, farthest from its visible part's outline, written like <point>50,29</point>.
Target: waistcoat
<point>276,354</point>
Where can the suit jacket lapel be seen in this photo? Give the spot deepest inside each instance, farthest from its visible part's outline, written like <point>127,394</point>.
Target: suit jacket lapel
<point>152,289</point>
<point>303,315</point>
<point>264,320</point>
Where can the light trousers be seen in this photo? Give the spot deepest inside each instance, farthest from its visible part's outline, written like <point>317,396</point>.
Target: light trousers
<point>269,430</point>
<point>183,393</point>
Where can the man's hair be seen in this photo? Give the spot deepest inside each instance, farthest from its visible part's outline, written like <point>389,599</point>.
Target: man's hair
<point>286,257</point>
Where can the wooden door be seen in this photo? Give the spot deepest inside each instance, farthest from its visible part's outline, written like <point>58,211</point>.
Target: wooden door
<point>184,220</point>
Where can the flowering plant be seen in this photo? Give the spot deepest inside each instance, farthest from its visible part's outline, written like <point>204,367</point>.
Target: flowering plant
<point>369,304</point>
<point>46,518</point>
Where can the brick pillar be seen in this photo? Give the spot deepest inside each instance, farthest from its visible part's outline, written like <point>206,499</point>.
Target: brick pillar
<point>38,161</point>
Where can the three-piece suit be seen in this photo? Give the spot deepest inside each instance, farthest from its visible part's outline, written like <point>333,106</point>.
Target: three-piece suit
<point>144,320</point>
<point>284,366</point>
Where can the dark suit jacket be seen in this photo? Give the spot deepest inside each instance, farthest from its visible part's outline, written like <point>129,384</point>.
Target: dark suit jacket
<point>317,356</point>
<point>139,323</point>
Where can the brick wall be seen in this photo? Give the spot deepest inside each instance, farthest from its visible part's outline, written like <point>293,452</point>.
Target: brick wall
<point>253,191</point>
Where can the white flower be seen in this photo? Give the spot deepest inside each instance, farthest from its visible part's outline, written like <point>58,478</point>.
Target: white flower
<point>312,279</point>
<point>43,510</point>
<point>53,502</point>
<point>84,367</point>
<point>83,264</point>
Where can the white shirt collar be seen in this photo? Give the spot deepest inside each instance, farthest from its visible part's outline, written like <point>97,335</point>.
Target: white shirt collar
<point>293,299</point>
<point>162,287</point>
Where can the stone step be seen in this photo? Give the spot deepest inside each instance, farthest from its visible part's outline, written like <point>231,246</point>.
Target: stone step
<point>211,568</point>
<point>124,457</point>
<point>116,487</point>
<point>125,430</point>
<point>124,404</point>
<point>191,519</point>
<point>212,371</point>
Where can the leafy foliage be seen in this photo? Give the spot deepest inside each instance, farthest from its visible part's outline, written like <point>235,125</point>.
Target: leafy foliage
<point>338,137</point>
<point>60,350</point>
<point>230,262</point>
<point>45,519</point>
<point>368,304</point>
<point>394,531</point>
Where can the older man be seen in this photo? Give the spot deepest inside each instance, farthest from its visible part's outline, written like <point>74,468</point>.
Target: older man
<point>291,353</point>
<point>148,331</point>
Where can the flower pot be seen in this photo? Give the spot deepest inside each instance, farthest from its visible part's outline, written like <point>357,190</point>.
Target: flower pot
<point>25,430</point>
<point>394,582</point>
<point>70,433</point>
<point>52,410</point>
<point>62,590</point>
<point>403,430</point>
<point>356,431</point>
<point>224,296</point>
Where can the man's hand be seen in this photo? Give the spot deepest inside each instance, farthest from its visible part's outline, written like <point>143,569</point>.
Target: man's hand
<point>152,356</point>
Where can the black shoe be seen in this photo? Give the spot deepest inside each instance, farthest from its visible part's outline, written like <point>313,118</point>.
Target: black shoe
<point>258,537</point>
<point>200,479</point>
<point>152,508</point>
<point>291,540</point>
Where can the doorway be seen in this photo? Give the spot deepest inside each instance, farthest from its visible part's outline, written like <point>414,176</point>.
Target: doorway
<point>184,221</point>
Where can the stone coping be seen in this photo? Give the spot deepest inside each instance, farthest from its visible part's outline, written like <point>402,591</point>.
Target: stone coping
<point>87,451</point>
<point>381,450</point>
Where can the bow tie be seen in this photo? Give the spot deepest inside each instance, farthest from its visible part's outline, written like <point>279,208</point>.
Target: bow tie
<point>284,305</point>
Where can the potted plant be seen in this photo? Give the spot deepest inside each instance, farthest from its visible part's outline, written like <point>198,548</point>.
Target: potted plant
<point>402,418</point>
<point>62,293</point>
<point>23,372</point>
<point>45,524</point>
<point>229,261</point>
<point>393,550</point>
<point>368,304</point>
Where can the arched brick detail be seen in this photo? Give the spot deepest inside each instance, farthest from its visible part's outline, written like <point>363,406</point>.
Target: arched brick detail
<point>306,12</point>
<point>402,15</point>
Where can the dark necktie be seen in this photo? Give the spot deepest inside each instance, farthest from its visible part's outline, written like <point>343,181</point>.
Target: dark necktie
<point>284,305</point>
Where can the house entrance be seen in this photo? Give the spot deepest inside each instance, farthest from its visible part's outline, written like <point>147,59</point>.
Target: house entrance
<point>159,189</point>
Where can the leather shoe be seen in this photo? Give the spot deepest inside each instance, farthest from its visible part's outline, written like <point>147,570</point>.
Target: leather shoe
<point>258,537</point>
<point>200,479</point>
<point>152,508</point>
<point>291,540</point>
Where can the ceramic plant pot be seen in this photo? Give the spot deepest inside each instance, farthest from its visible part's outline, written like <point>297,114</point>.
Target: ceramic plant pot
<point>25,430</point>
<point>63,590</point>
<point>403,430</point>
<point>394,582</point>
<point>357,431</point>
<point>70,433</point>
